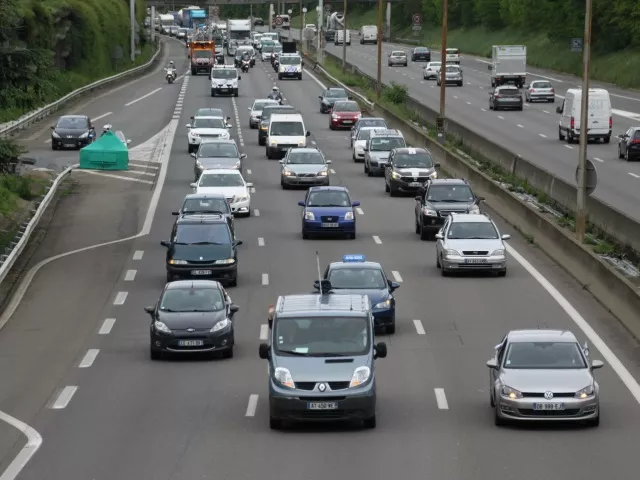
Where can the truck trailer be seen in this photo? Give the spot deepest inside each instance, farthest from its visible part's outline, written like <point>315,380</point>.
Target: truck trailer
<point>508,65</point>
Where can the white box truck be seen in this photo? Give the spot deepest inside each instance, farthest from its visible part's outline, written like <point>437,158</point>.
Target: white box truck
<point>600,119</point>
<point>508,65</point>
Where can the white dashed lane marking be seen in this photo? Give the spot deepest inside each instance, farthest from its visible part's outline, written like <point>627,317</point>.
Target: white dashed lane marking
<point>265,279</point>
<point>264,332</point>
<point>260,242</point>
<point>598,160</point>
<point>542,135</point>
<point>121,297</point>
<point>441,399</point>
<point>137,255</point>
<point>64,398</point>
<point>130,275</point>
<point>256,212</point>
<point>252,405</point>
<point>419,327</point>
<point>359,211</point>
<point>377,239</point>
<point>89,358</point>
<point>396,276</point>
<point>107,325</point>
<point>634,175</point>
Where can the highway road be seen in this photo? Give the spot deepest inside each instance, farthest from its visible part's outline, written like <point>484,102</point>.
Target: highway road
<point>76,350</point>
<point>532,133</point>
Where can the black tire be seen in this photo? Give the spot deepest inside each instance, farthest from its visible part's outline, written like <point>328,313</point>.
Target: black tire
<point>233,282</point>
<point>279,77</point>
<point>417,226</point>
<point>275,423</point>
<point>491,401</point>
<point>560,135</point>
<point>369,423</point>
<point>502,273</point>
<point>391,329</point>
<point>424,234</point>
<point>392,192</point>
<point>193,71</point>
<point>261,142</point>
<point>213,92</point>
<point>620,154</point>
<point>305,235</point>
<point>607,139</point>
<point>386,187</point>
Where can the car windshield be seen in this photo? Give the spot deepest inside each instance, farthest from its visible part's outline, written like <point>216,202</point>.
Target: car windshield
<point>386,144</point>
<point>416,160</point>
<point>364,133</point>
<point>472,230</point>
<point>267,48</point>
<point>329,198</point>
<point>321,336</point>
<point>544,355</point>
<point>450,193</point>
<point>202,233</point>
<point>221,180</point>
<point>205,205</point>
<point>372,122</point>
<point>209,112</point>
<point>300,158</point>
<point>346,107</point>
<point>335,94</point>
<point>541,85</point>
<point>358,278</point>
<point>202,53</point>
<point>223,73</point>
<point>75,123</point>
<point>287,129</point>
<point>293,60</point>
<point>209,123</point>
<point>226,150</point>
<point>259,105</point>
<point>192,300</point>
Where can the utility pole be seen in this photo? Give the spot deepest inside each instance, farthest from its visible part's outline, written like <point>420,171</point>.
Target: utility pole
<point>301,22</point>
<point>379,82</point>
<point>344,37</point>
<point>581,202</point>
<point>440,122</point>
<point>132,14</point>
<point>320,53</point>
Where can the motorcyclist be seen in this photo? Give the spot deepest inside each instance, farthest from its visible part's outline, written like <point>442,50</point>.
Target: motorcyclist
<point>275,94</point>
<point>245,62</point>
<point>106,128</point>
<point>171,68</point>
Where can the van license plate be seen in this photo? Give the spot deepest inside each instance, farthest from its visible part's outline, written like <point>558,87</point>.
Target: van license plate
<point>190,343</point>
<point>322,406</point>
<point>548,406</point>
<point>415,184</point>
<point>201,272</point>
<point>329,225</point>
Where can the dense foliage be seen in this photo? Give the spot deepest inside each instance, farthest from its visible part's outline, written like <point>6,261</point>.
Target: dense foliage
<point>49,47</point>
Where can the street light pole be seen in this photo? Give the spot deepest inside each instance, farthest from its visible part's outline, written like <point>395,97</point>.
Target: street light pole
<point>132,14</point>
<point>440,123</point>
<point>344,37</point>
<point>581,201</point>
<point>379,82</point>
<point>320,53</point>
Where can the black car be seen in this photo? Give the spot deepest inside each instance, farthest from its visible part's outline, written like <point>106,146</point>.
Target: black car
<point>217,153</point>
<point>266,117</point>
<point>258,22</point>
<point>330,96</point>
<point>330,35</point>
<point>629,144</point>
<point>421,54</point>
<point>408,170</point>
<point>202,246</point>
<point>72,131</point>
<point>207,204</point>
<point>438,199</point>
<point>192,316</point>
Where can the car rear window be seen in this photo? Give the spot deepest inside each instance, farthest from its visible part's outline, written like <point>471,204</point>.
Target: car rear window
<point>509,91</point>
<point>636,136</point>
<point>453,51</point>
<point>541,85</point>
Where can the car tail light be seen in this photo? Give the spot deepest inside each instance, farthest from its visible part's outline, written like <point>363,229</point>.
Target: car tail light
<point>610,123</point>
<point>497,96</point>
<point>531,90</point>
<point>573,123</point>
<point>635,142</point>
<point>552,90</point>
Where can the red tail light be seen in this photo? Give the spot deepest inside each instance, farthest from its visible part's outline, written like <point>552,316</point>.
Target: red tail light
<point>635,142</point>
<point>610,123</point>
<point>531,90</point>
<point>573,123</point>
<point>497,96</point>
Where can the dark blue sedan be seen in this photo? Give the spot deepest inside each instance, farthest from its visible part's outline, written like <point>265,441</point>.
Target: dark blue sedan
<point>328,211</point>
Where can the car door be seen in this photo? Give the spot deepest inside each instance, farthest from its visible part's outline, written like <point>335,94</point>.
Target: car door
<point>440,243</point>
<point>624,144</point>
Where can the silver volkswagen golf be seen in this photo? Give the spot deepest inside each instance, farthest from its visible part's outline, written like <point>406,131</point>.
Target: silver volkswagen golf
<point>543,375</point>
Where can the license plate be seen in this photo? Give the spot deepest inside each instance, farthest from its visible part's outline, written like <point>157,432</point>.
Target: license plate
<point>329,225</point>
<point>322,406</point>
<point>224,89</point>
<point>475,260</point>
<point>415,184</point>
<point>190,343</point>
<point>548,406</point>
<point>347,122</point>
<point>201,272</point>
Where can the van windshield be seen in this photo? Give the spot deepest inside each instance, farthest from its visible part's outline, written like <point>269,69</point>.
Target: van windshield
<point>323,336</point>
<point>287,129</point>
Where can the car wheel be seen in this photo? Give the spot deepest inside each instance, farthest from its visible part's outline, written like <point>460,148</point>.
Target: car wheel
<point>392,191</point>
<point>626,155</point>
<point>155,354</point>
<point>366,170</point>
<point>438,261</point>
<point>275,423</point>
<point>305,235</point>
<point>391,329</point>
<point>424,235</point>
<point>491,401</point>
<point>560,136</point>
<point>369,173</point>
<point>213,92</point>
<point>497,419</point>
<point>386,187</point>
<point>284,186</point>
<point>620,154</point>
<point>417,225</point>
<point>369,423</point>
<point>607,139</point>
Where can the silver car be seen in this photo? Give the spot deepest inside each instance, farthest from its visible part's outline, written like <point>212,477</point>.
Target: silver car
<point>432,70</point>
<point>255,111</point>
<point>398,58</point>
<point>217,154</point>
<point>304,167</point>
<point>453,76</point>
<point>543,375</point>
<point>540,90</point>
<point>471,242</point>
<point>362,122</point>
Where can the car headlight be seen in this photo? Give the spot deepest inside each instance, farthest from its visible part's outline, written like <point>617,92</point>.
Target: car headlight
<point>451,253</point>
<point>283,377</point>
<point>348,216</point>
<point>161,327</point>
<point>474,210</point>
<point>84,135</point>
<point>433,174</point>
<point>510,392</point>
<point>429,212</point>
<point>288,173</point>
<point>361,375</point>
<point>396,175</point>
<point>323,173</point>
<point>498,253</point>
<point>177,262</point>
<point>309,216</point>
<point>237,165</point>
<point>222,324</point>
<point>385,304</point>
<point>55,135</point>
<point>242,198</point>
<point>194,135</point>
<point>273,143</point>
<point>225,135</point>
<point>334,116</point>
<point>226,261</point>
<point>586,392</point>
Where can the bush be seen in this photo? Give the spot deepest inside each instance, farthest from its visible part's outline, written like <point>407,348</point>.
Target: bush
<point>396,93</point>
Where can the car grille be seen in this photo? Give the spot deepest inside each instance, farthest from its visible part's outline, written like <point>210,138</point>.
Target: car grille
<point>329,219</point>
<point>475,252</point>
<point>446,213</point>
<point>286,145</point>
<point>332,385</point>
<point>306,175</point>
<point>204,137</point>
<point>200,262</point>
<point>322,399</point>
<point>414,179</point>
<point>527,412</point>
<point>555,395</point>
<point>191,336</point>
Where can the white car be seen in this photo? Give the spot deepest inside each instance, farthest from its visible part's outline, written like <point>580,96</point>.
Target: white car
<point>227,182</point>
<point>204,128</point>
<point>311,26</point>
<point>432,70</point>
<point>453,55</point>
<point>255,114</point>
<point>360,142</point>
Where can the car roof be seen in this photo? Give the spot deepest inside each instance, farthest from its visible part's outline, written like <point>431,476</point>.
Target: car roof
<point>412,150</point>
<point>304,149</point>
<point>541,335</point>
<point>270,101</point>
<point>330,188</point>
<point>449,181</point>
<point>203,196</point>
<point>386,132</point>
<point>322,305</point>
<point>74,116</point>
<point>335,89</point>
<point>399,51</point>
<point>230,141</point>
<point>470,218</point>
<point>286,116</point>
<point>183,284</point>
<point>209,117</point>
<point>201,218</point>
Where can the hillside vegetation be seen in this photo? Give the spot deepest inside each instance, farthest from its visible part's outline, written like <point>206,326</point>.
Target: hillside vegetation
<point>51,47</point>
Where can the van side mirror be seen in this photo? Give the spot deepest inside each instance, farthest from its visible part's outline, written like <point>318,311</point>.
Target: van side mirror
<point>316,284</point>
<point>263,351</point>
<point>233,309</point>
<point>308,133</point>
<point>436,165</point>
<point>596,364</point>
<point>479,199</point>
<point>188,125</point>
<point>193,155</point>
<point>394,286</point>
<point>380,350</point>
<point>193,185</point>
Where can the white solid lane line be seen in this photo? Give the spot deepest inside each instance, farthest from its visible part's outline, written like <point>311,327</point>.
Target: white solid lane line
<point>64,398</point>
<point>542,135</point>
<point>120,298</point>
<point>377,239</point>
<point>252,405</point>
<point>130,275</point>
<point>419,327</point>
<point>101,116</point>
<point>106,327</point>
<point>441,399</point>
<point>142,97</point>
<point>569,147</point>
<point>264,332</point>
<point>520,126</point>
<point>265,279</point>
<point>598,160</point>
<point>332,171</point>
<point>137,255</point>
<point>248,172</point>
<point>396,276</point>
<point>634,175</point>
<point>359,211</point>
<point>89,358</point>
<point>260,242</point>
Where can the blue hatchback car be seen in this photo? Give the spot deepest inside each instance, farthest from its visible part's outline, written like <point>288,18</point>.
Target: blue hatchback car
<point>328,211</point>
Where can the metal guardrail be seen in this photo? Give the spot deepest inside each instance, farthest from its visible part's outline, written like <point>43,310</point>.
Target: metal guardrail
<point>47,110</point>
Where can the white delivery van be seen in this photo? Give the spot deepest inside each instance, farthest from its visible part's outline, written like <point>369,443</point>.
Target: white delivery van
<point>342,37</point>
<point>453,55</point>
<point>369,34</point>
<point>600,120</point>
<point>285,131</point>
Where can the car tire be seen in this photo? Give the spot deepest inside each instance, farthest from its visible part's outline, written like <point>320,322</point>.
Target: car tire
<point>521,108</point>
<point>438,262</point>
<point>275,423</point>
<point>155,354</point>
<point>607,139</point>
<point>369,423</point>
<point>279,77</point>
<point>284,186</point>
<point>417,226</point>
<point>386,187</point>
<point>491,400</point>
<point>560,136</point>
<point>366,170</point>
<point>331,127</point>
<point>369,173</point>
<point>391,329</point>
<point>424,234</point>
<point>502,273</point>
<point>352,236</point>
<point>266,152</point>
<point>305,235</point>
<point>497,419</point>
<point>392,191</point>
<point>620,154</point>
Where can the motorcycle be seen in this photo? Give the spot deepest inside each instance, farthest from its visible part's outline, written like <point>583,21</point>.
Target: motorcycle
<point>245,66</point>
<point>276,97</point>
<point>105,129</point>
<point>171,75</point>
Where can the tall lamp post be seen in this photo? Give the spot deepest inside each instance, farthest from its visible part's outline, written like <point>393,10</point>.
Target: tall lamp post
<point>440,121</point>
<point>344,37</point>
<point>320,53</point>
<point>132,13</point>
<point>379,83</point>
<point>290,34</point>
<point>304,20</point>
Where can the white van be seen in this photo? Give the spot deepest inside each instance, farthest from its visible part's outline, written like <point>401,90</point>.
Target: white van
<point>285,131</point>
<point>453,55</point>
<point>340,37</point>
<point>369,34</point>
<point>600,117</point>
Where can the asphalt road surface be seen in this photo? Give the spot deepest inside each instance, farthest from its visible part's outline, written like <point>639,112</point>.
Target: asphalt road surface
<point>78,344</point>
<point>532,133</point>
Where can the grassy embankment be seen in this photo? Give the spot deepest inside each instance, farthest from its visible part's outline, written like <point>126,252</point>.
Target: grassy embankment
<point>620,68</point>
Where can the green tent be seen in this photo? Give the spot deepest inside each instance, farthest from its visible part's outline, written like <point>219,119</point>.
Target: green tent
<point>107,153</point>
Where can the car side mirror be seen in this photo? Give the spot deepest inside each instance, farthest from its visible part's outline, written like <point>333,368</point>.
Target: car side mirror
<point>490,67</point>
<point>229,125</point>
<point>394,286</point>
<point>493,363</point>
<point>165,243</point>
<point>558,109</point>
<point>301,203</point>
<point>438,236</point>
<point>188,125</point>
<point>193,185</point>
<point>380,350</point>
<point>308,133</point>
<point>53,127</point>
<point>233,309</point>
<point>193,155</point>
<point>263,351</point>
<point>506,236</point>
<point>596,364</point>
<point>328,162</point>
<point>128,141</point>
<point>237,242</point>
<point>175,213</point>
<point>281,162</point>
<point>355,204</point>
<point>249,185</point>
<point>418,198</point>
<point>243,156</point>
<point>436,165</point>
<point>316,284</point>
<point>622,135</point>
<point>150,310</point>
<point>239,77</point>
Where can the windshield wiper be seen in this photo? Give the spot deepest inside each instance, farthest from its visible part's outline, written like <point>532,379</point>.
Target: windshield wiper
<point>196,310</point>
<point>293,352</point>
<point>412,166</point>
<point>180,243</point>
<point>207,243</point>
<point>481,238</point>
